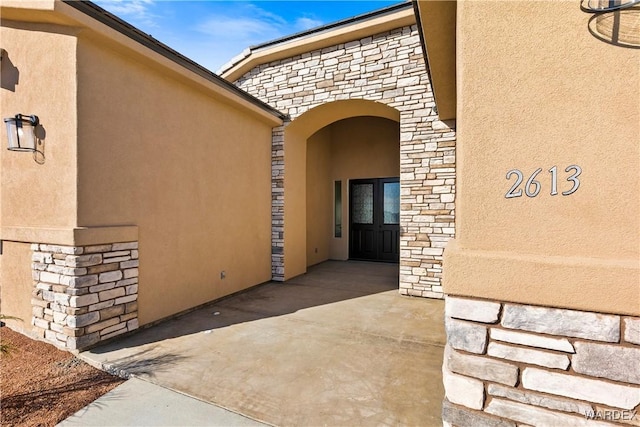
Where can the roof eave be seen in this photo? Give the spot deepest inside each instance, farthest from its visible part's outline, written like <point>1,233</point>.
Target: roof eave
<point>321,37</point>
<point>97,13</point>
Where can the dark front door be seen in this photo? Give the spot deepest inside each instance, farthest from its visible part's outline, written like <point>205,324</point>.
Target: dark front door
<point>374,229</point>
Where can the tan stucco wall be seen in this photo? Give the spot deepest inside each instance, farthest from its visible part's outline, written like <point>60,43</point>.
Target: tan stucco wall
<point>319,196</point>
<point>295,209</point>
<point>16,284</point>
<point>33,194</point>
<point>536,91</point>
<point>354,148</point>
<point>193,174</point>
<point>438,25</point>
<point>361,147</point>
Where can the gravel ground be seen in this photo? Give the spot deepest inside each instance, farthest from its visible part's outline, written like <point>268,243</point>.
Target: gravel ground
<point>41,385</point>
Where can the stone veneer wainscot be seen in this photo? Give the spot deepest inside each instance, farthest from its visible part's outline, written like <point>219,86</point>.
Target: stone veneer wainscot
<point>507,364</point>
<point>389,68</point>
<point>84,294</point>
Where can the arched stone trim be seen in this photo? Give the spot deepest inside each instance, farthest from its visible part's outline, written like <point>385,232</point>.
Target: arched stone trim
<point>387,68</point>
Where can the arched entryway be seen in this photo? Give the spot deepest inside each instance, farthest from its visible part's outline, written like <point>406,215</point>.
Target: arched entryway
<point>340,142</point>
<point>319,80</point>
<point>352,191</point>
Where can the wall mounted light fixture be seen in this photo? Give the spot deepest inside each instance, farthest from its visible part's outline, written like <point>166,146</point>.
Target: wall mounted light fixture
<point>21,131</point>
<point>601,6</point>
<point>616,22</point>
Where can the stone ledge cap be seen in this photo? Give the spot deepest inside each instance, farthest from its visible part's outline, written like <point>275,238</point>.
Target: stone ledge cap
<point>70,236</point>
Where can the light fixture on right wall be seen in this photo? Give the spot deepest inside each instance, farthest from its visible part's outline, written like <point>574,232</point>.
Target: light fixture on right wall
<point>615,22</point>
<point>601,6</point>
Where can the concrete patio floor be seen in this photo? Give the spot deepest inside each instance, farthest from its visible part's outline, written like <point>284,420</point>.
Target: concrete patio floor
<point>337,346</point>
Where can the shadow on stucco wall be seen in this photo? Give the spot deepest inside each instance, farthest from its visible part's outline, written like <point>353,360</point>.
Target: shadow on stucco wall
<point>9,73</point>
<point>38,155</point>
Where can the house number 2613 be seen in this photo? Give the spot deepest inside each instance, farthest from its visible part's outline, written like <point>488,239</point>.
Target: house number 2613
<point>532,187</point>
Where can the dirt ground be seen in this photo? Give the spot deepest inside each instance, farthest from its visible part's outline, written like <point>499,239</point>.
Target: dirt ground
<point>41,385</point>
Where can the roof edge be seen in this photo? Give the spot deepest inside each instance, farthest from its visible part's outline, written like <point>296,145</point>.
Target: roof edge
<point>290,45</point>
<point>336,24</point>
<point>103,16</point>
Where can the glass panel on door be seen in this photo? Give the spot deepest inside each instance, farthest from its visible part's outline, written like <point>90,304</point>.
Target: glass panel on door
<point>391,203</point>
<point>362,204</point>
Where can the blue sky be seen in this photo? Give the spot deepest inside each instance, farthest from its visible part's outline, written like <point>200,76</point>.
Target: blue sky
<point>212,32</point>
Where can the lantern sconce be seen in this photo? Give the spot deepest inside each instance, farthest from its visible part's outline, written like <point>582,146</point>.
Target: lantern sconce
<point>21,131</point>
<point>614,21</point>
<point>603,6</point>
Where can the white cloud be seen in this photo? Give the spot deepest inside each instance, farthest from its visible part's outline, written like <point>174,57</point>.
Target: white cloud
<point>236,27</point>
<point>245,21</point>
<point>305,23</point>
<point>252,24</point>
<point>138,12</point>
<point>228,32</point>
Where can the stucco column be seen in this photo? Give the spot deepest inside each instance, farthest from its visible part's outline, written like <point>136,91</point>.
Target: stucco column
<point>542,279</point>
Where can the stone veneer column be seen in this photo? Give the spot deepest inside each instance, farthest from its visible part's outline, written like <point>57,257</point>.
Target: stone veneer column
<point>388,68</point>
<point>277,204</point>
<point>508,364</point>
<point>427,193</point>
<point>84,294</point>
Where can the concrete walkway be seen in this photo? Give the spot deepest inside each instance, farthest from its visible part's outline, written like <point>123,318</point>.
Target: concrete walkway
<point>338,346</point>
<point>141,403</point>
